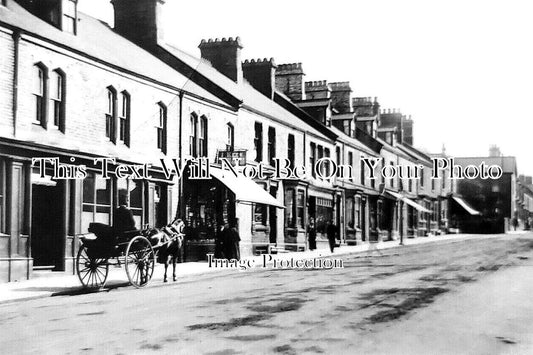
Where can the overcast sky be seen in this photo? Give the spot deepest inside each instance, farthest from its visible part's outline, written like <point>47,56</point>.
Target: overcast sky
<point>462,69</point>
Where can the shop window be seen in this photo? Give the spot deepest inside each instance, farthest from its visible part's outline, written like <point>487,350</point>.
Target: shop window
<point>312,159</point>
<point>133,189</point>
<point>96,201</point>
<point>40,93</point>
<point>258,142</point>
<point>350,212</point>
<point>357,211</point>
<point>57,99</point>
<point>161,127</point>
<point>300,204</point>
<point>290,149</point>
<point>230,140</point>
<point>111,113</point>
<point>289,208</point>
<point>69,16</point>
<point>324,213</point>
<point>260,214</point>
<point>124,118</point>
<point>271,145</point>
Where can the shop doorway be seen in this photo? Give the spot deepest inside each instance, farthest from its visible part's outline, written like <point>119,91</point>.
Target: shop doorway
<point>46,238</point>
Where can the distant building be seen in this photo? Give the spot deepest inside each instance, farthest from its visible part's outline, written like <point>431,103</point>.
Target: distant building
<point>495,200</point>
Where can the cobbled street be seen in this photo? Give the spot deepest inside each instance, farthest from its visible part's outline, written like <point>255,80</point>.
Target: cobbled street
<point>422,299</point>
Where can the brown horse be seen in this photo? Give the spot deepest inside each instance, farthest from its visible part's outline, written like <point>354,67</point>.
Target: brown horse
<point>169,242</point>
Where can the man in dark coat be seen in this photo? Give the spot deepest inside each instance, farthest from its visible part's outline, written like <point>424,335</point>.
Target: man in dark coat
<point>312,234</point>
<point>231,239</point>
<point>331,232</point>
<point>123,218</point>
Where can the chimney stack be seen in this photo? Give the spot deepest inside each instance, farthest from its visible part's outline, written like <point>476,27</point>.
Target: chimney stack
<point>140,21</point>
<point>261,74</point>
<point>289,80</point>
<point>224,55</point>
<point>341,96</point>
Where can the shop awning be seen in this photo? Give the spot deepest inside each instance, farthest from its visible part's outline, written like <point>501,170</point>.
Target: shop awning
<point>408,201</point>
<point>245,189</point>
<point>466,206</point>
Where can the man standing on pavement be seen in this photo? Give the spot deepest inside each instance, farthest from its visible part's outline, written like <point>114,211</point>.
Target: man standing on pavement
<point>331,232</point>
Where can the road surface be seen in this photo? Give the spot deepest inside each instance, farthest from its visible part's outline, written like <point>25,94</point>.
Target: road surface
<point>446,297</point>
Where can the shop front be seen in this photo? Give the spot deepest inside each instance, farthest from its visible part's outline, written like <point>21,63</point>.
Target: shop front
<point>209,204</point>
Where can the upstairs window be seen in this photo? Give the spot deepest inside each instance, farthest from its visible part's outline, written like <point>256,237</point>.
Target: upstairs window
<point>230,142</point>
<point>39,93</point>
<point>69,16</point>
<point>312,158</point>
<point>327,162</point>
<point>202,138</point>
<point>198,136</point>
<point>350,163</point>
<point>271,145</point>
<point>57,99</point>
<point>124,118</point>
<point>111,113</point>
<point>193,135</point>
<point>161,127</point>
<point>290,149</point>
<point>258,142</point>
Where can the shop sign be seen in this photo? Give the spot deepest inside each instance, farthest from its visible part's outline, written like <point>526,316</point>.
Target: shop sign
<point>236,156</point>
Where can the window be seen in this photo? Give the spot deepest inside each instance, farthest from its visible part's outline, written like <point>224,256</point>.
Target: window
<point>327,165</point>
<point>198,136</point>
<point>443,180</point>
<point>202,138</point>
<point>39,93</point>
<point>432,184</point>
<point>271,145</point>
<point>231,137</point>
<point>300,203</point>
<point>362,172</point>
<point>350,163</point>
<point>357,208</point>
<point>57,99</point>
<point>2,197</point>
<point>338,155</point>
<point>350,212</point>
<point>110,114</point>
<point>312,159</point>
<point>69,16</point>
<point>258,142</point>
<point>392,178</point>
<point>410,185</point>
<point>124,118</point>
<point>96,201</point>
<point>161,128</point>
<point>421,177</point>
<point>193,135</point>
<point>290,149</point>
<point>289,208</point>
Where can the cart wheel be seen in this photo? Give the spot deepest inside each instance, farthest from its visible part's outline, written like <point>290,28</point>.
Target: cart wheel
<point>92,272</point>
<point>140,261</point>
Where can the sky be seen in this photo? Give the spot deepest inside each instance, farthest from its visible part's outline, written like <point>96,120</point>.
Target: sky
<point>462,69</point>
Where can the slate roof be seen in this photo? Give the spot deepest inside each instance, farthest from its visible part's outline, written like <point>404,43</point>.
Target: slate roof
<point>97,40</point>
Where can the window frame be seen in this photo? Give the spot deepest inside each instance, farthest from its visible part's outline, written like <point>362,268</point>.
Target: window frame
<point>124,118</point>
<point>111,114</point>
<point>41,94</point>
<point>271,145</point>
<point>161,127</point>
<point>258,141</point>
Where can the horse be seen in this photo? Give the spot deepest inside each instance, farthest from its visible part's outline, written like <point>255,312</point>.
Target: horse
<point>169,242</point>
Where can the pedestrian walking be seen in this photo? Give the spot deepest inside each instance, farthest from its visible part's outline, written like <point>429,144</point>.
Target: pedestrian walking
<point>515,223</point>
<point>331,232</point>
<point>312,234</point>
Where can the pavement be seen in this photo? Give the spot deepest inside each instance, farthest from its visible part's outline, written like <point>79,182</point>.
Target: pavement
<point>65,284</point>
